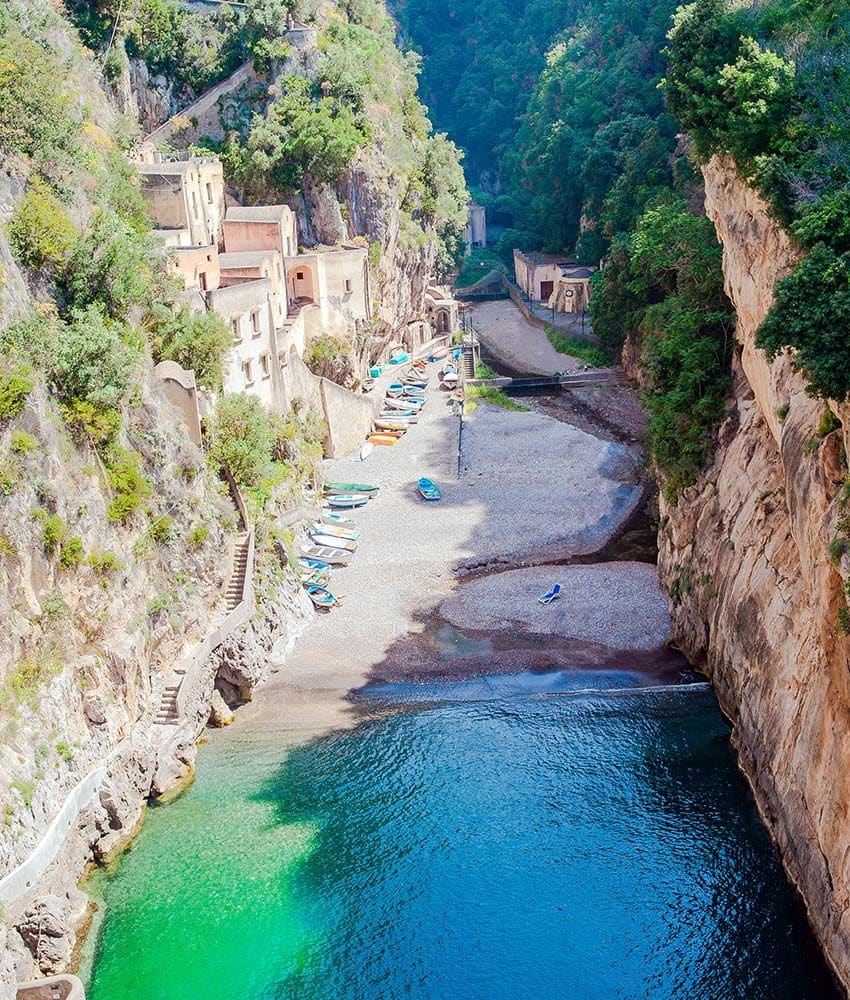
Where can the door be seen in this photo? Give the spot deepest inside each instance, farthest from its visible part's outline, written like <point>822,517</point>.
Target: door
<point>546,289</point>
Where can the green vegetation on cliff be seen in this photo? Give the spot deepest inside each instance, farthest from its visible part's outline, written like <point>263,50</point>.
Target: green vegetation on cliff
<point>769,85</point>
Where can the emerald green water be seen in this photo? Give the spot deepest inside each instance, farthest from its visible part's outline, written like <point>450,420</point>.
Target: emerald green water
<point>534,846</point>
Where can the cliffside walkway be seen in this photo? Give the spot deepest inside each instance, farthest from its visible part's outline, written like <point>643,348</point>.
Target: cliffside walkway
<point>238,602</point>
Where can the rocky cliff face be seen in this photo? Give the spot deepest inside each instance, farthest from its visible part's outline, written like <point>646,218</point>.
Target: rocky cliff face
<point>755,595</point>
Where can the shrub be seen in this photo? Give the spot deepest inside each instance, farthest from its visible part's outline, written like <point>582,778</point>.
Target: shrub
<point>89,420</point>
<point>242,438</point>
<point>10,475</point>
<point>162,529</point>
<point>6,547</point>
<point>198,535</point>
<point>64,750</point>
<point>22,684</point>
<point>838,547</point>
<point>827,424</point>
<point>128,483</point>
<point>22,443</point>
<point>53,606</point>
<point>26,790</point>
<point>104,563</point>
<point>490,394</point>
<point>579,349</point>
<point>16,383</point>
<point>40,232</point>
<point>53,532</point>
<point>71,552</point>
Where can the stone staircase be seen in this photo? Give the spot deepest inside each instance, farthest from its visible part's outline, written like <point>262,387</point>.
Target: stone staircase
<point>168,712</point>
<point>468,361</point>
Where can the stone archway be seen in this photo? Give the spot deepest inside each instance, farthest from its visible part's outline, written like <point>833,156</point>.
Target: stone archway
<point>303,283</point>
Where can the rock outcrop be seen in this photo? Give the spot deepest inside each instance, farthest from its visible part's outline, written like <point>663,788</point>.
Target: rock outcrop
<point>755,597</point>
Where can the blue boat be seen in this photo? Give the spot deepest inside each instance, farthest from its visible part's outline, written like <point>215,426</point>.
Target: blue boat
<point>551,595</point>
<point>395,389</point>
<point>313,564</point>
<point>429,490</point>
<point>321,597</point>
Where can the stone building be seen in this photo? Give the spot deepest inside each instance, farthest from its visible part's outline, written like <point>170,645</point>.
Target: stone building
<point>441,309</point>
<point>334,280</point>
<point>185,198</point>
<point>248,265</point>
<point>261,227</point>
<point>475,230</point>
<point>554,281</point>
<point>253,365</point>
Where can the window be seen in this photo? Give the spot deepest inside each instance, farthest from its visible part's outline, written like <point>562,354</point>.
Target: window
<point>348,284</point>
<point>299,275</point>
<point>209,193</point>
<point>194,205</point>
<point>246,371</point>
<point>279,271</point>
<point>264,364</point>
<point>255,322</point>
<point>237,335</point>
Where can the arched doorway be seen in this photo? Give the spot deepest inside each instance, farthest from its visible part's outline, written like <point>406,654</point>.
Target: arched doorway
<point>303,284</point>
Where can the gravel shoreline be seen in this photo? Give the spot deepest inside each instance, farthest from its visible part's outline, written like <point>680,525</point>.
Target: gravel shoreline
<point>519,489</point>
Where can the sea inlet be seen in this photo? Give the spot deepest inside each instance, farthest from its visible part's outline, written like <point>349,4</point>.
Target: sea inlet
<point>496,840</point>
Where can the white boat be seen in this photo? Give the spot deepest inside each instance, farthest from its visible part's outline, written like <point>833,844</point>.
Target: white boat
<point>334,556</point>
<point>410,418</point>
<point>451,379</point>
<point>344,522</point>
<point>365,450</point>
<point>335,530</point>
<point>402,404</point>
<point>332,542</point>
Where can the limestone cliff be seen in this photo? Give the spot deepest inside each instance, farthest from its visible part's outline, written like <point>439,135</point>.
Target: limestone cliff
<point>755,596</point>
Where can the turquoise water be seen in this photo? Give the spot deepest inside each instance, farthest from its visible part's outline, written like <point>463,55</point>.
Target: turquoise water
<point>533,846</point>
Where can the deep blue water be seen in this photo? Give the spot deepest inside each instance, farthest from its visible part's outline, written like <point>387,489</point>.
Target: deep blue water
<point>534,846</point>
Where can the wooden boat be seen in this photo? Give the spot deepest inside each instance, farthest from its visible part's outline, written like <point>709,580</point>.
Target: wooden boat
<point>368,384</point>
<point>314,564</point>
<point>336,530</point>
<point>392,425</point>
<point>439,354</point>
<point>451,379</point>
<point>385,439</point>
<point>321,597</point>
<point>335,489</point>
<point>413,393</point>
<point>429,490</point>
<point>415,383</point>
<point>395,389</point>
<point>332,542</point>
<point>316,578</point>
<point>344,522</point>
<point>334,556</point>
<point>406,404</point>
<point>345,501</point>
<point>552,594</point>
<point>365,450</point>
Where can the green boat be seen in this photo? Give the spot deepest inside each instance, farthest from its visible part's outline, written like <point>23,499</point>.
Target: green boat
<point>331,489</point>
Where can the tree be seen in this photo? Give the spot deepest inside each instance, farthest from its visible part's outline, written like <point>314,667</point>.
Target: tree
<point>242,438</point>
<point>93,360</point>
<point>198,341</point>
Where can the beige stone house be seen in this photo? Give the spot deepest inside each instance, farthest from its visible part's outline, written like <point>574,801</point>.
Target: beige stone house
<point>554,281</point>
<point>185,198</point>
<point>253,365</point>
<point>249,265</point>
<point>197,267</point>
<point>260,227</point>
<point>336,280</point>
<point>441,309</point>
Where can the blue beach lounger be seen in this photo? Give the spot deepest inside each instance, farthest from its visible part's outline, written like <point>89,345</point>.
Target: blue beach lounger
<point>551,595</point>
